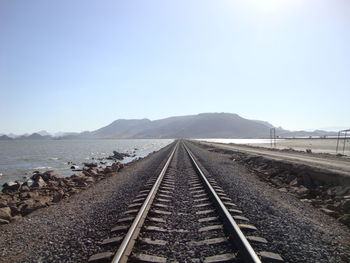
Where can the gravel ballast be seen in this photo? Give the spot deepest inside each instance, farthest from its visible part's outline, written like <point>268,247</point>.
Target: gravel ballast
<point>295,230</point>
<point>70,231</point>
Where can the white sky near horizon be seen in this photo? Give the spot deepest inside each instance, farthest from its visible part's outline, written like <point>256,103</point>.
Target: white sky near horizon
<point>75,65</point>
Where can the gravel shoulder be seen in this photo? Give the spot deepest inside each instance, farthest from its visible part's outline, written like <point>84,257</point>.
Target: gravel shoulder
<point>326,162</point>
<point>295,230</point>
<point>70,231</point>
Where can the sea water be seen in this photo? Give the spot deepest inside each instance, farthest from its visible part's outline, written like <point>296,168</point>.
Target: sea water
<point>20,158</point>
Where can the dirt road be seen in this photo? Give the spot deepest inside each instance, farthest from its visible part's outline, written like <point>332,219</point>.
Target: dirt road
<point>334,164</point>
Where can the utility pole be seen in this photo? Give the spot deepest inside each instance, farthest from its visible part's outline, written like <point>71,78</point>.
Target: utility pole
<point>273,137</point>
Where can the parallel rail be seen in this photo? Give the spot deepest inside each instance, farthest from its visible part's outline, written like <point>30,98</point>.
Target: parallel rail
<point>128,242</point>
<point>236,236</point>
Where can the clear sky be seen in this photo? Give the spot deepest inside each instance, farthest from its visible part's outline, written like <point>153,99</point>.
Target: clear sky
<point>74,65</point>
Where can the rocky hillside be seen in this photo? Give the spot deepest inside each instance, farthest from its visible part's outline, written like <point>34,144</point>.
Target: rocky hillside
<point>204,125</point>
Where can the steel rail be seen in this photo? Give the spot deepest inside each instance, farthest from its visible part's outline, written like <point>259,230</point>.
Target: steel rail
<point>238,238</point>
<point>124,251</point>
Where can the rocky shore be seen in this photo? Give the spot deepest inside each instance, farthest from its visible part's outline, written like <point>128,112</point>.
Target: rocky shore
<point>20,198</point>
<point>70,230</point>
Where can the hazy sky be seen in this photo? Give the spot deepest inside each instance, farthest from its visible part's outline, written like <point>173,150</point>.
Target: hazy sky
<point>78,65</point>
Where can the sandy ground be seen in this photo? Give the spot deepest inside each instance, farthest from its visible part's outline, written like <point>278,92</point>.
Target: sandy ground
<point>338,165</point>
<point>316,145</point>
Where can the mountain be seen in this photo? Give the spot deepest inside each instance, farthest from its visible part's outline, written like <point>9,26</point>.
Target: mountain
<point>315,133</point>
<point>34,136</point>
<point>122,129</point>
<point>5,138</point>
<point>43,133</point>
<point>61,134</point>
<point>204,125</point>
<point>11,135</point>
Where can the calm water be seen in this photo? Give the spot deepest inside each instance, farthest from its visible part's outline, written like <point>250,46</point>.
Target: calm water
<point>21,158</point>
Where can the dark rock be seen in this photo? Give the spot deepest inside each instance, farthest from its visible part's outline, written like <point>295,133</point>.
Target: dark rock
<point>78,176</point>
<point>81,184</point>
<point>334,207</point>
<point>16,217</point>
<point>108,170</point>
<point>283,190</point>
<point>15,210</point>
<point>94,171</point>
<point>276,181</point>
<point>329,212</point>
<point>90,164</point>
<point>35,176</point>
<point>316,202</point>
<point>73,191</point>
<point>39,182</point>
<point>89,180</point>
<point>3,203</point>
<point>5,213</point>
<point>346,206</point>
<point>25,210</point>
<point>302,191</point>
<point>118,156</point>
<point>24,188</point>
<point>338,191</point>
<point>4,222</point>
<point>51,175</point>
<point>33,194</point>
<point>31,205</point>
<point>62,184</point>
<point>306,180</point>
<point>345,219</point>
<point>57,197</point>
<point>294,182</point>
<point>11,186</point>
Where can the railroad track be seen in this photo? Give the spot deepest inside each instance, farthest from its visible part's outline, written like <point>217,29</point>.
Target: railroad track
<point>182,215</point>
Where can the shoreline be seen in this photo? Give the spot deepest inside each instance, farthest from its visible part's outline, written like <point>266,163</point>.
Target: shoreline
<point>70,230</point>
<point>21,197</point>
<point>19,159</point>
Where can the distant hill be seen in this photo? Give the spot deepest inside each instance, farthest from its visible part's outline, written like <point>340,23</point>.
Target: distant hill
<point>34,136</point>
<point>5,138</point>
<point>121,129</point>
<point>43,133</point>
<point>205,125</point>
